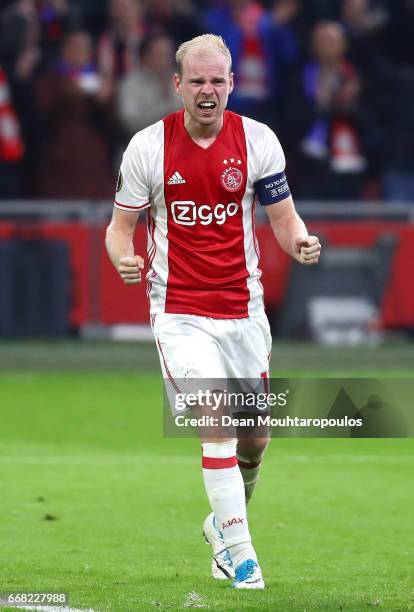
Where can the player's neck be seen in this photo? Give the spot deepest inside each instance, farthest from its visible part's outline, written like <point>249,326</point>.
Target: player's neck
<point>203,135</point>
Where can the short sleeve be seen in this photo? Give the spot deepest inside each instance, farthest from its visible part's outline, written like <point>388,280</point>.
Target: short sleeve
<point>272,157</point>
<point>132,189</point>
<point>271,186</point>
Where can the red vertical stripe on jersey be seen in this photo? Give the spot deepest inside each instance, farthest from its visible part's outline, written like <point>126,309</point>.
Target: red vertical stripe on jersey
<point>203,191</point>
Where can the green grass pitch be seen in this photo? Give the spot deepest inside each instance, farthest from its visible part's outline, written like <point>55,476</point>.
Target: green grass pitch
<point>95,502</point>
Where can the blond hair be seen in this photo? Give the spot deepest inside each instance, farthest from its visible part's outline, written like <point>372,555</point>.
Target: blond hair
<point>202,45</point>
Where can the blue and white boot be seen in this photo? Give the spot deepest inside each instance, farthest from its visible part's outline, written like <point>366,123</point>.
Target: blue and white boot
<point>221,565</point>
<point>248,576</point>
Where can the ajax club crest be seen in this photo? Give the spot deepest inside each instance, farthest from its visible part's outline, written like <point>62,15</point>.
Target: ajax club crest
<point>232,176</point>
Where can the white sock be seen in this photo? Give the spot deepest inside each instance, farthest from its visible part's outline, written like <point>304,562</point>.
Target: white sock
<point>225,490</point>
<point>249,470</point>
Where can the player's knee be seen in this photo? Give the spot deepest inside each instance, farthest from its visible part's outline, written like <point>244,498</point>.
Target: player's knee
<point>252,448</point>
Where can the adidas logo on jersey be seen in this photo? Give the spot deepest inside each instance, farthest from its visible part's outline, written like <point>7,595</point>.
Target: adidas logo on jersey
<point>176,179</point>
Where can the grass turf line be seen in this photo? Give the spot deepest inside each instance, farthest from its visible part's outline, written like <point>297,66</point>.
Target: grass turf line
<point>142,357</point>
<point>331,518</point>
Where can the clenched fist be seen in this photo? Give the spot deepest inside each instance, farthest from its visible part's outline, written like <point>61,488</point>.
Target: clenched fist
<point>307,250</point>
<point>130,269</point>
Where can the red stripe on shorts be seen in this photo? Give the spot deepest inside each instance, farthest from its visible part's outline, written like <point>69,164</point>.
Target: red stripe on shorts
<point>218,463</point>
<point>171,379</point>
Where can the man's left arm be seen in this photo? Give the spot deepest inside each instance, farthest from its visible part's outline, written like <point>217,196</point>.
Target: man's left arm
<point>291,233</point>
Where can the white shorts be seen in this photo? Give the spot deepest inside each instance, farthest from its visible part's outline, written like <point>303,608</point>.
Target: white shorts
<point>196,347</point>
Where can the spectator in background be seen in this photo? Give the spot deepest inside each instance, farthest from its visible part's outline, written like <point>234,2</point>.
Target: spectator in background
<point>320,10</point>
<point>75,116</point>
<point>93,15</point>
<point>19,36</point>
<point>147,94</point>
<point>21,59</point>
<point>362,26</point>
<point>55,17</point>
<point>262,44</point>
<point>11,144</point>
<point>363,23</point>
<point>119,44</point>
<point>34,29</point>
<point>323,115</point>
<point>399,174</point>
<point>397,38</point>
<point>177,18</point>
<point>397,44</point>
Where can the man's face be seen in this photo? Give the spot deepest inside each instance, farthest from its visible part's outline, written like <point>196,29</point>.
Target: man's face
<point>159,57</point>
<point>77,50</point>
<point>205,84</point>
<point>329,44</point>
<point>124,12</point>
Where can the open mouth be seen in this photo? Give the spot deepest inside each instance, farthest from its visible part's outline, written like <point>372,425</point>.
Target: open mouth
<point>207,106</point>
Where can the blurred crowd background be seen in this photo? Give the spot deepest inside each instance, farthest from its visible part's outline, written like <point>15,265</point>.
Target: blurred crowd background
<point>334,79</point>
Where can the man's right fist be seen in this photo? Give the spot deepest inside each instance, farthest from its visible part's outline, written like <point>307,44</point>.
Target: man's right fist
<point>130,269</point>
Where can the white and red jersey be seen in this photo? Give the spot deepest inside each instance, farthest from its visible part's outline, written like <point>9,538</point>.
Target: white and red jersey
<point>202,249</point>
